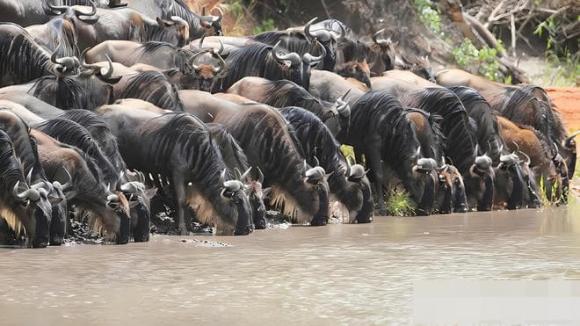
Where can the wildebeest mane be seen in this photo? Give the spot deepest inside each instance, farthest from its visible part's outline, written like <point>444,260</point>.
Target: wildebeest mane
<point>10,170</point>
<point>460,143</point>
<point>71,133</point>
<point>153,87</point>
<point>181,9</point>
<point>272,132</point>
<point>186,135</point>
<point>100,132</point>
<point>231,152</point>
<point>252,60</point>
<point>75,92</point>
<point>436,139</point>
<point>22,59</point>
<point>546,120</point>
<point>380,113</point>
<point>480,111</point>
<point>316,139</point>
<point>282,93</point>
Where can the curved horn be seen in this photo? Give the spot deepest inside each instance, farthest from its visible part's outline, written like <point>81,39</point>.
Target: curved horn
<point>221,64</point>
<point>293,57</point>
<point>528,160</point>
<point>376,35</point>
<point>237,173</point>
<point>193,65</point>
<point>223,177</point>
<point>84,63</point>
<point>316,161</point>
<point>56,10</point>
<point>53,57</point>
<point>29,176</point>
<point>312,60</point>
<point>109,72</point>
<point>91,15</point>
<point>307,33</point>
<point>567,142</point>
<point>260,175</point>
<point>246,174</point>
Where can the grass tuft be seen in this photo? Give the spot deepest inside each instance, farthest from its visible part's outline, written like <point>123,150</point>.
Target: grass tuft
<point>399,203</point>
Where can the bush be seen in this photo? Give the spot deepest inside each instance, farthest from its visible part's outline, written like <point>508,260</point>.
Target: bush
<point>485,60</point>
<point>428,15</point>
<point>399,203</point>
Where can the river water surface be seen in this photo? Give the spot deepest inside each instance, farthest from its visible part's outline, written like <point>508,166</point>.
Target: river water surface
<point>333,275</point>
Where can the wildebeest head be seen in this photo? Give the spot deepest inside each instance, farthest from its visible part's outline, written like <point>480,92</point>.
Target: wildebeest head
<point>531,193</point>
<point>382,54</point>
<point>20,204</point>
<point>84,91</point>
<point>509,182</point>
<point>328,40</point>
<point>139,197</point>
<point>480,182</point>
<point>175,29</point>
<point>253,189</point>
<point>211,24</point>
<point>70,12</point>
<point>64,66</point>
<point>357,70</point>
<point>116,216</point>
<point>359,180</point>
<point>451,195</point>
<point>205,74</point>
<point>299,67</point>
<point>569,151</point>
<point>234,192</point>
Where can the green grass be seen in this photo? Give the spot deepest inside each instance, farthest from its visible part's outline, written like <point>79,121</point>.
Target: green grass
<point>399,203</point>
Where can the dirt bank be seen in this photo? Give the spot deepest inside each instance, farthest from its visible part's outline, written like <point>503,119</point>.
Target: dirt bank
<point>567,99</point>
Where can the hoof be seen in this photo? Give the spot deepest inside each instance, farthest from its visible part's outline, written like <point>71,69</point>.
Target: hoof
<point>318,222</point>
<point>364,220</point>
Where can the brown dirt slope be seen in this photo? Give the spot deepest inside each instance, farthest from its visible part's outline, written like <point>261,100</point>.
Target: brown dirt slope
<point>567,100</point>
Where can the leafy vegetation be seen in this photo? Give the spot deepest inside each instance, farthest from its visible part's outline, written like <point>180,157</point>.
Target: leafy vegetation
<point>485,60</point>
<point>564,66</point>
<point>429,15</point>
<point>265,26</point>
<point>399,203</point>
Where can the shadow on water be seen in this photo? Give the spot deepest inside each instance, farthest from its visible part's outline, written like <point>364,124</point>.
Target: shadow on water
<point>338,274</point>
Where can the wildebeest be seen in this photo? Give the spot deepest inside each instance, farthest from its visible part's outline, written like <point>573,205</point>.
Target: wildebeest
<point>100,25</point>
<point>185,68</point>
<point>382,133</point>
<point>179,147</point>
<point>199,25</point>
<point>58,35</point>
<point>303,40</point>
<point>26,12</point>
<point>150,86</point>
<point>71,167</point>
<point>540,151</point>
<point>329,86</point>
<point>474,165</point>
<point>283,93</point>
<point>23,59</point>
<point>526,104</point>
<point>239,168</point>
<point>320,148</point>
<point>271,62</point>
<point>450,189</point>
<point>269,143</point>
<point>20,204</point>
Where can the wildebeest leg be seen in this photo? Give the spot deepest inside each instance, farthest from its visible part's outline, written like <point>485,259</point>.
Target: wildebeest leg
<point>180,203</point>
<point>58,224</point>
<point>486,202</point>
<point>374,163</point>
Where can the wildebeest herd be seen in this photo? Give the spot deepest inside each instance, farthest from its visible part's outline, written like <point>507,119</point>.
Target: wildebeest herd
<point>113,112</point>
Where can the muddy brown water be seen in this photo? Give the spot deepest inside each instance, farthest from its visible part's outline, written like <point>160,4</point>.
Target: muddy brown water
<point>333,275</point>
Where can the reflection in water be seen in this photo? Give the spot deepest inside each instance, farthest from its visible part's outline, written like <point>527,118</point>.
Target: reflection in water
<point>338,274</point>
